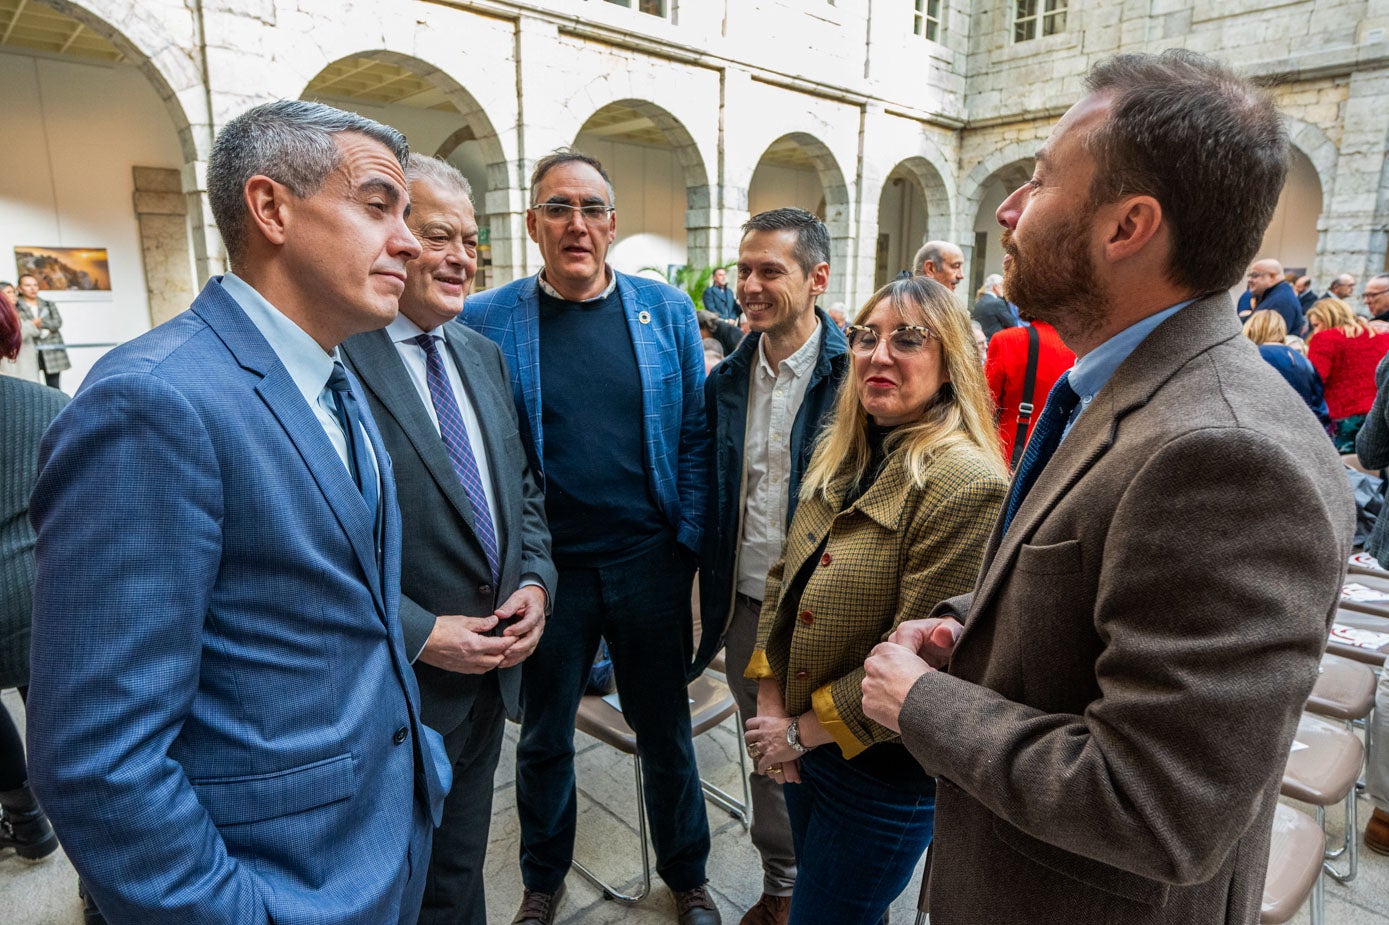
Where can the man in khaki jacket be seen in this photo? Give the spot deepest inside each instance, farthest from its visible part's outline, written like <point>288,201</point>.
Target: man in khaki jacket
<point>1121,698</point>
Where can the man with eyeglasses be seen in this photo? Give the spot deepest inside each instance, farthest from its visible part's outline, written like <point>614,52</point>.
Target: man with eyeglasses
<point>1268,289</point>
<point>1376,296</point>
<point>617,438</point>
<point>765,403</point>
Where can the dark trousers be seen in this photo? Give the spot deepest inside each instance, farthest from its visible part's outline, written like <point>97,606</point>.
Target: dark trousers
<point>641,606</point>
<point>13,773</point>
<point>453,892</point>
<point>838,812</point>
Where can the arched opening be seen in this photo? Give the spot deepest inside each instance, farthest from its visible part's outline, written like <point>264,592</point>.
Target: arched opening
<point>659,181</point>
<point>74,84</point>
<point>1291,237</point>
<point>437,116</point>
<point>799,170</point>
<point>902,224</point>
<point>988,247</point>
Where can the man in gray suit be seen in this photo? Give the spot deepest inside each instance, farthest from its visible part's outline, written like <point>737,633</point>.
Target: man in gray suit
<point>476,574</point>
<point>1121,697</point>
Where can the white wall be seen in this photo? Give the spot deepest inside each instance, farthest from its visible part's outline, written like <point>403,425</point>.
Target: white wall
<point>72,134</point>
<point>776,187</point>
<point>1291,237</point>
<point>650,188</point>
<point>902,217</point>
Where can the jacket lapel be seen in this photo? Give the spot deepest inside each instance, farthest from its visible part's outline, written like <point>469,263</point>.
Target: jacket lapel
<point>525,328</point>
<point>478,387</point>
<point>1208,321</point>
<point>301,426</point>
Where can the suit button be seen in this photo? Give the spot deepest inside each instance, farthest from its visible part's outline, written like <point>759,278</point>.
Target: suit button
<point>807,617</point>
<point>485,590</point>
<point>825,559</point>
<point>802,675</point>
<point>401,735</point>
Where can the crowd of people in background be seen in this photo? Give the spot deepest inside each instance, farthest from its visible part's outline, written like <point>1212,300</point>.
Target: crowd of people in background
<point>314,540</point>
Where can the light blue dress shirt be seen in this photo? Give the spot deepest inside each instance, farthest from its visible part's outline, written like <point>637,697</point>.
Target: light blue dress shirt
<point>1093,370</point>
<point>305,361</point>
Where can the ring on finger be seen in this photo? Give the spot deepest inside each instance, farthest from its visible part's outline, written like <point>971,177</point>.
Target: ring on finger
<point>774,769</point>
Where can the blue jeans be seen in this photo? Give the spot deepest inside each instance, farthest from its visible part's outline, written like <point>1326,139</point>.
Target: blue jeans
<point>858,840</point>
<point>642,608</point>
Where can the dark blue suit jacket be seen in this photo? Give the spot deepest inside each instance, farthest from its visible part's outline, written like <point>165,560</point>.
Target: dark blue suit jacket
<point>223,723</point>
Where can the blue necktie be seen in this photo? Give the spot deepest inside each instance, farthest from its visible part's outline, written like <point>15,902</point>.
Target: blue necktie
<point>359,457</point>
<point>1046,437</point>
<point>460,450</point>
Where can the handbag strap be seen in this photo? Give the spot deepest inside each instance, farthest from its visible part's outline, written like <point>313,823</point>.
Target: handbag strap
<point>1029,387</point>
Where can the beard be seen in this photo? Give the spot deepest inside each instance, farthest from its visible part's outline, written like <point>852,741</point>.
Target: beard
<point>1059,287</point>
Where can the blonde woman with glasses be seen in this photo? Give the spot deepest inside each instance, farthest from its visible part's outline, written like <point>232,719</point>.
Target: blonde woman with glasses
<point>895,508</point>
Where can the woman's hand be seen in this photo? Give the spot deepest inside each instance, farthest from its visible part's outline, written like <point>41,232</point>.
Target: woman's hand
<point>765,738</point>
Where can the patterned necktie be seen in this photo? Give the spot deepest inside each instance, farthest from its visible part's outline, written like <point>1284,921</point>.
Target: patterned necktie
<point>360,460</point>
<point>460,450</point>
<point>1046,437</point>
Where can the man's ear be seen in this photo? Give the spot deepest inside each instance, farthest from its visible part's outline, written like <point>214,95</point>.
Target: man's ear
<point>267,203</point>
<point>820,278</point>
<point>1136,221</point>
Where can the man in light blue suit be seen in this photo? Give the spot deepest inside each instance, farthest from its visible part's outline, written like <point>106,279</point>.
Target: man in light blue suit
<point>223,722</point>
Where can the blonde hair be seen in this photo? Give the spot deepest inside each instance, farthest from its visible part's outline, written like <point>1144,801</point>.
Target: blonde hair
<point>1334,313</point>
<point>1266,327</point>
<point>961,413</point>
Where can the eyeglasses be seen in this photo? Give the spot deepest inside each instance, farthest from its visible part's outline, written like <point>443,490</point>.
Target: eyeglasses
<point>1367,295</point>
<point>563,213</point>
<point>903,342</point>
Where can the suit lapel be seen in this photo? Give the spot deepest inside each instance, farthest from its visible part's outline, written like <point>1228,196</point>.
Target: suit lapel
<point>1179,340</point>
<point>301,426</point>
<point>378,364</point>
<point>485,404</point>
<point>525,328</point>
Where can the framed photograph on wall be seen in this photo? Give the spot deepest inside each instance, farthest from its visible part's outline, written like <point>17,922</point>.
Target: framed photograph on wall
<point>65,269</point>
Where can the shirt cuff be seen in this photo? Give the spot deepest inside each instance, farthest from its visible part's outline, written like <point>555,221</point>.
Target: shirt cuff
<point>530,579</point>
<point>758,666</point>
<point>822,702</point>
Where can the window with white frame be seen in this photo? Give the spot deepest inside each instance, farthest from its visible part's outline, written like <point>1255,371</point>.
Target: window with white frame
<point>926,19</point>
<point>659,8</point>
<point>1032,18</point>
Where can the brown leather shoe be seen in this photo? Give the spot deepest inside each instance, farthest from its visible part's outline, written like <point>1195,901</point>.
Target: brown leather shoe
<point>538,908</point>
<point>695,907</point>
<point>1377,832</point>
<point>770,910</point>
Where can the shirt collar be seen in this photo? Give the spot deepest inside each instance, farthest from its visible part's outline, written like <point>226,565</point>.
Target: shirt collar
<point>552,293</point>
<point>798,363</point>
<point>403,329</point>
<point>301,355</point>
<point>1094,369</point>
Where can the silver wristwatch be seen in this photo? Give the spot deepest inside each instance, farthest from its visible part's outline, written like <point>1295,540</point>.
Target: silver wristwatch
<point>793,737</point>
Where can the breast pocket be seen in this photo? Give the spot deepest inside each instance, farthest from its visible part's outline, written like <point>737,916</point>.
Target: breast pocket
<point>1061,558</point>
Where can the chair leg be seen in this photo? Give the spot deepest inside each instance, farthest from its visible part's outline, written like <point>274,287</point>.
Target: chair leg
<point>608,891</point>
<point>1318,899</point>
<point>1349,847</point>
<point>722,799</point>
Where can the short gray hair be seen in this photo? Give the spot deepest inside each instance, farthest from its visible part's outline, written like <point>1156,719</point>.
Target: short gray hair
<point>992,280</point>
<point>289,141</point>
<point>932,251</point>
<point>438,171</point>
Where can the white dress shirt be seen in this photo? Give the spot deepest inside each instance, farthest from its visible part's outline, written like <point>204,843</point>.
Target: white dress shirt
<point>774,398</point>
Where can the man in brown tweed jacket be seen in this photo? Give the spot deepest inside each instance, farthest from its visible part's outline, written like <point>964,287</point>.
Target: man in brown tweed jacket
<point>1120,701</point>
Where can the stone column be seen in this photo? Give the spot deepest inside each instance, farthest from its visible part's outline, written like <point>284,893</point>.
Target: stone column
<point>1354,228</point>
<point>161,209</point>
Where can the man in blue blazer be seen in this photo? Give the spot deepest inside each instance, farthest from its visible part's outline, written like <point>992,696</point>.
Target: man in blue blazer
<point>619,443</point>
<point>223,723</point>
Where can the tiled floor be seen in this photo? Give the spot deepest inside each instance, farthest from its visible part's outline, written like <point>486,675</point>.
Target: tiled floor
<point>46,894</point>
